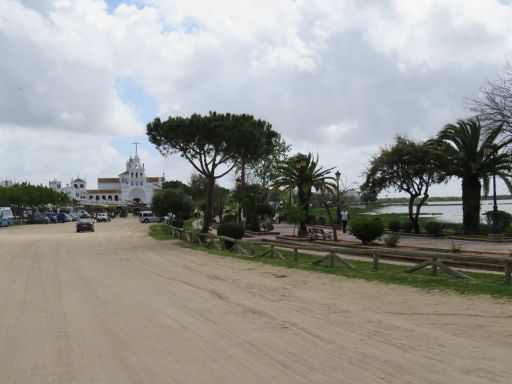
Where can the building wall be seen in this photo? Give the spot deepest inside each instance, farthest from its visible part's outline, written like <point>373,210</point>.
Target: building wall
<point>109,185</point>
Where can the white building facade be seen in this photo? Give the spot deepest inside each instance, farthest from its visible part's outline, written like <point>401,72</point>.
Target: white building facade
<point>130,186</point>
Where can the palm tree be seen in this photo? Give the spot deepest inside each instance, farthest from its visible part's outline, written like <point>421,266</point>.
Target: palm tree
<point>462,143</point>
<point>303,172</point>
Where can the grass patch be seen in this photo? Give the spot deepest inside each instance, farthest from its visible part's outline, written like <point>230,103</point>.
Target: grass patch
<point>483,283</point>
<point>187,224</point>
<point>156,231</point>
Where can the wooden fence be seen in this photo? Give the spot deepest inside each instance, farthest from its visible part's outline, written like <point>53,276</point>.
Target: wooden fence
<point>434,260</point>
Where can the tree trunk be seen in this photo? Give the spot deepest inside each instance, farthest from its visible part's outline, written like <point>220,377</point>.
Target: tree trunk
<point>242,191</point>
<point>208,215</point>
<point>471,205</point>
<point>303,201</point>
<point>417,214</point>
<point>410,211</point>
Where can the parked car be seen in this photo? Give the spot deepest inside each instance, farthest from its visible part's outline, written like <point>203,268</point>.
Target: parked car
<point>6,217</point>
<point>148,217</point>
<point>61,217</point>
<point>102,217</point>
<point>38,218</point>
<point>53,217</point>
<point>85,224</point>
<point>74,216</point>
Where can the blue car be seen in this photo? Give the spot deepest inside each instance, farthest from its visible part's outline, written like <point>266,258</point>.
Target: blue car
<point>6,217</point>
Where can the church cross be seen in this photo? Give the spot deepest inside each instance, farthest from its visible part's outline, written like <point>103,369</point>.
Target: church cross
<point>136,143</point>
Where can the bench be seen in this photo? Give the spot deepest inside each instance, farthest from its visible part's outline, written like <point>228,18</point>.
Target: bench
<point>316,233</point>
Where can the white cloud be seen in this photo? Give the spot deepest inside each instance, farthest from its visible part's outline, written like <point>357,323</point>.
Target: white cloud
<point>332,76</point>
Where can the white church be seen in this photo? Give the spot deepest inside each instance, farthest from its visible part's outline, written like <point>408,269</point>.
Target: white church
<point>131,186</point>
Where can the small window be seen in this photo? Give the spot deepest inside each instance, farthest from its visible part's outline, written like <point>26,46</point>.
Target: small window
<point>97,197</point>
<point>90,197</point>
<point>103,197</point>
<point>76,185</point>
<point>77,194</point>
<point>116,198</point>
<point>81,185</point>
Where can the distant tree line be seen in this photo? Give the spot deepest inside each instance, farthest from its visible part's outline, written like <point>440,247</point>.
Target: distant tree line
<point>25,196</point>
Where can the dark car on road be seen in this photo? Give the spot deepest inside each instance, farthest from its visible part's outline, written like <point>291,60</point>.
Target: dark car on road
<point>84,224</point>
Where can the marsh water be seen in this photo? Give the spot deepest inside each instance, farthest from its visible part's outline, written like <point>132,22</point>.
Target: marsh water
<point>447,210</point>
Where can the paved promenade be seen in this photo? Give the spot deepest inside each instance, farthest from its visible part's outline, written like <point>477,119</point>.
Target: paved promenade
<point>420,241</point>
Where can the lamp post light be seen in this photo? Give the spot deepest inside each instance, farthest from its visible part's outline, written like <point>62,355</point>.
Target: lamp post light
<point>489,151</point>
<point>338,209</point>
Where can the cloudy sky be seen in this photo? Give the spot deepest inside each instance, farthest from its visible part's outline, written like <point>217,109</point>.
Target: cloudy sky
<point>80,79</point>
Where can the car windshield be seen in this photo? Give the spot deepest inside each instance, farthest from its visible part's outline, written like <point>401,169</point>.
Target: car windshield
<point>84,220</point>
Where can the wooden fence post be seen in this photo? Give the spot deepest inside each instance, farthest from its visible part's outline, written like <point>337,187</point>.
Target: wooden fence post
<point>508,271</point>
<point>295,254</point>
<point>433,265</point>
<point>375,261</point>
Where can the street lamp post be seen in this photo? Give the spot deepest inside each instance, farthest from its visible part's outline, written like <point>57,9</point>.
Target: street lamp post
<point>489,150</point>
<point>300,164</point>
<point>338,209</point>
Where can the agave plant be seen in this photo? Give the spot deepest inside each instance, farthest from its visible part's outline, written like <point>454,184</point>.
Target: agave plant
<point>304,173</point>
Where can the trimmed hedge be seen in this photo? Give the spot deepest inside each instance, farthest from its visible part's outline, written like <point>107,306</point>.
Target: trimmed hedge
<point>394,226</point>
<point>367,229</point>
<point>434,228</point>
<point>228,219</point>
<point>406,226</point>
<point>233,230</point>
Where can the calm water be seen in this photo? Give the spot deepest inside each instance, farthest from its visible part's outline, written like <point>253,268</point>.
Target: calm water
<point>447,210</point>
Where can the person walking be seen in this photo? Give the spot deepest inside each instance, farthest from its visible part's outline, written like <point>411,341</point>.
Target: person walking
<point>344,216</point>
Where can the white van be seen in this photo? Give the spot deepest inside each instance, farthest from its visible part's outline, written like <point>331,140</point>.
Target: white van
<point>148,217</point>
<point>6,217</point>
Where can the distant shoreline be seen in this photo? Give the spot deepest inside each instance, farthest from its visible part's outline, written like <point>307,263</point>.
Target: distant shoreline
<point>405,200</point>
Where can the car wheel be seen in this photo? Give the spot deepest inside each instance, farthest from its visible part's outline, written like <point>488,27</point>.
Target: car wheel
<point>146,221</point>
<point>92,230</point>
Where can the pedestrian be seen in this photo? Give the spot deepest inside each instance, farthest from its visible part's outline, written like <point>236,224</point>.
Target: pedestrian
<point>344,216</point>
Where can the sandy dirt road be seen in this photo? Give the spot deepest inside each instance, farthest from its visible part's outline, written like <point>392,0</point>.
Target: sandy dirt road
<point>116,306</point>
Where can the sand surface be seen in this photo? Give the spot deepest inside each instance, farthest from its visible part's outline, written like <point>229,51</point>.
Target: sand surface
<point>116,306</point>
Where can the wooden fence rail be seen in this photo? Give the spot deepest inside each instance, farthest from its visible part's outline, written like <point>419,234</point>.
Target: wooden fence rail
<point>434,260</point>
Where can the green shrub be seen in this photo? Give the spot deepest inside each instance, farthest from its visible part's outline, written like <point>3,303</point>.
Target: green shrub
<point>267,226</point>
<point>484,229</point>
<point>434,228</point>
<point>367,229</point>
<point>406,226</point>
<point>504,220</point>
<point>311,220</point>
<point>233,230</point>
<point>228,219</point>
<point>394,225</point>
<point>392,239</point>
